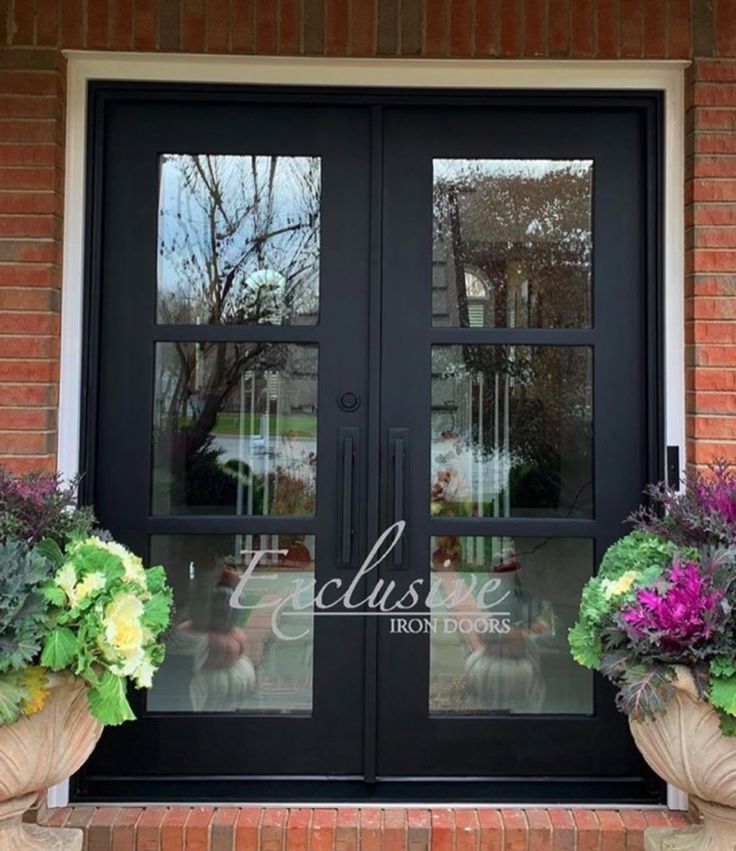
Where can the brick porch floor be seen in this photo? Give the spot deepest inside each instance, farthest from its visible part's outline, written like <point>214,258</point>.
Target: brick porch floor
<point>368,829</point>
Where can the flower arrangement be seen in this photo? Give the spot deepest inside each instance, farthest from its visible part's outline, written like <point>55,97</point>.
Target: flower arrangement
<point>72,600</point>
<point>664,596</point>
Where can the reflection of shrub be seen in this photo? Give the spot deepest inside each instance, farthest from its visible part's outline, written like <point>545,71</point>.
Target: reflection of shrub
<point>200,478</point>
<point>291,494</point>
<point>536,485</point>
<point>204,480</point>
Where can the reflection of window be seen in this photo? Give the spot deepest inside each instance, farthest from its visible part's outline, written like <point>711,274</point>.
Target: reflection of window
<point>479,296</point>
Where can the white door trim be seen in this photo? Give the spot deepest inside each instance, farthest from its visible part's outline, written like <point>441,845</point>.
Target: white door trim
<point>83,66</point>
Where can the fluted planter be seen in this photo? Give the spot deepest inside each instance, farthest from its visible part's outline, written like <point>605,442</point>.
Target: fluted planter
<point>36,753</point>
<point>685,747</point>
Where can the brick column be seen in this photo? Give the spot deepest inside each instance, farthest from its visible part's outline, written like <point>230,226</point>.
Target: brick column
<point>31,176</point>
<point>710,263</point>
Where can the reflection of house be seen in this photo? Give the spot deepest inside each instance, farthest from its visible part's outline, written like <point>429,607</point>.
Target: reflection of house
<point>288,384</point>
<point>513,251</point>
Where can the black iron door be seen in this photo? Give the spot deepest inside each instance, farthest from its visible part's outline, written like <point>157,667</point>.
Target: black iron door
<point>230,408</point>
<point>314,315</point>
<point>515,271</point>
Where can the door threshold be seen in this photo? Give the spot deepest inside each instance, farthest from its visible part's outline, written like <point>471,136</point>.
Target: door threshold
<point>332,792</point>
<point>385,805</point>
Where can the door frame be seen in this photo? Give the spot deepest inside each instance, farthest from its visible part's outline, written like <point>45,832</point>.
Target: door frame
<point>666,77</point>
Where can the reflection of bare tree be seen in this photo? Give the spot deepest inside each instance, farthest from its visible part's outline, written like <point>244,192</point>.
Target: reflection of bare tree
<point>205,375</point>
<point>239,239</point>
<point>238,244</point>
<point>251,386</point>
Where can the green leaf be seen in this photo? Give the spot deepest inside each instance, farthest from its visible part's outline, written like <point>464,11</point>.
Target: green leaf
<point>23,609</point>
<point>636,551</point>
<point>90,557</point>
<point>108,702</point>
<point>728,724</point>
<point>88,671</point>
<point>157,653</point>
<point>722,666</point>
<point>156,613</point>
<point>585,645</point>
<point>156,580</point>
<point>23,652</point>
<point>723,693</point>
<point>54,595</point>
<point>59,649</point>
<point>644,691</point>
<point>51,551</point>
<point>11,697</point>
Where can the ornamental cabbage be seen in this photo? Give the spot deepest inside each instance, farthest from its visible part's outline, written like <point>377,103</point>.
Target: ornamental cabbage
<point>90,609</point>
<point>664,596</point>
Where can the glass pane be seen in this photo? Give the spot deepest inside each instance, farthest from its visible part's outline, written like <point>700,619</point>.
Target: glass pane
<point>235,428</point>
<point>238,240</point>
<point>498,633</point>
<point>512,431</point>
<point>225,659</point>
<point>512,243</point>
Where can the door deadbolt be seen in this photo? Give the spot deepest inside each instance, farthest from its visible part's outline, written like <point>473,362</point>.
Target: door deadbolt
<point>349,401</point>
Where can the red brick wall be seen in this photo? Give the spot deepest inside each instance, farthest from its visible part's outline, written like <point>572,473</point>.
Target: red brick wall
<point>370,829</point>
<point>32,32</point>
<point>710,283</point>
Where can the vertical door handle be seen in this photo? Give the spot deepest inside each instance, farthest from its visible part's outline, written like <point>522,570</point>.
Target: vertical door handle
<point>347,441</point>
<point>398,444</point>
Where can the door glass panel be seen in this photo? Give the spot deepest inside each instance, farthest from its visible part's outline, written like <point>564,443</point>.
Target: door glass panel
<point>512,243</point>
<point>235,428</point>
<point>225,659</point>
<point>238,239</point>
<point>511,431</point>
<point>498,637</point>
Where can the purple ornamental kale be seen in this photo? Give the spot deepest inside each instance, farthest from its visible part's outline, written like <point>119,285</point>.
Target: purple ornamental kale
<point>718,497</point>
<point>37,506</point>
<point>680,617</point>
<point>704,512</point>
<point>36,489</point>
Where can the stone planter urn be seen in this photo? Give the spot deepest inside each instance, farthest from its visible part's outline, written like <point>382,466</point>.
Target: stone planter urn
<point>36,753</point>
<point>686,747</point>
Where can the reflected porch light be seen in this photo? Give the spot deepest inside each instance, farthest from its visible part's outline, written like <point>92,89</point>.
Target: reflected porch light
<point>270,286</point>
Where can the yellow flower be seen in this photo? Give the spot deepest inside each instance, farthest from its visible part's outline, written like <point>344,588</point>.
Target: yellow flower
<point>66,579</point>
<point>92,582</point>
<point>122,628</point>
<point>617,587</point>
<point>34,681</point>
<point>134,571</point>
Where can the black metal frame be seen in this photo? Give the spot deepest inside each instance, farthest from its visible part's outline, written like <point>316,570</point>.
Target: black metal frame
<point>372,787</point>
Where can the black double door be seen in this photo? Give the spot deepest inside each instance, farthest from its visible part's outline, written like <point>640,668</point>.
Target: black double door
<point>314,317</point>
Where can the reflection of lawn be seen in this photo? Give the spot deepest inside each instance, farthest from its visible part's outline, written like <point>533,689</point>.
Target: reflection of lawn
<point>294,425</point>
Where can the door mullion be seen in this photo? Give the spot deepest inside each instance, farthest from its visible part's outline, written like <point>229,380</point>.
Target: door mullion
<point>373,448</point>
